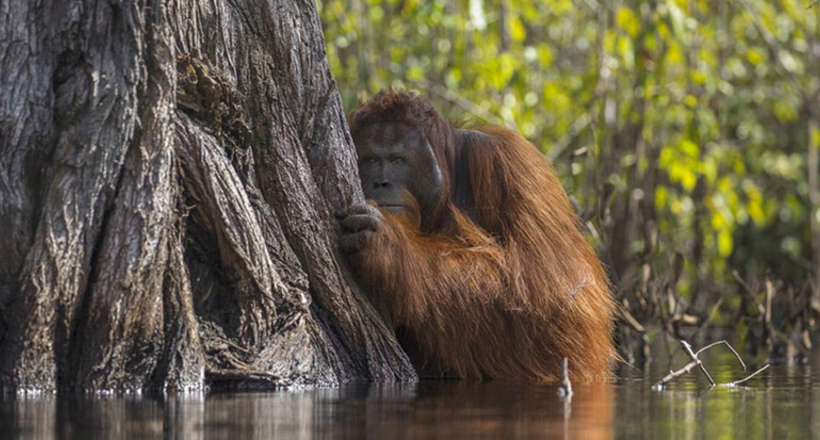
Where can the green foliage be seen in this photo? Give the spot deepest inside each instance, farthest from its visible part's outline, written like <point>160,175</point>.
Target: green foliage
<point>694,112</point>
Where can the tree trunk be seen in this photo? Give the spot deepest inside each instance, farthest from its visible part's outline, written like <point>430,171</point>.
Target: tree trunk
<point>812,134</point>
<point>168,174</point>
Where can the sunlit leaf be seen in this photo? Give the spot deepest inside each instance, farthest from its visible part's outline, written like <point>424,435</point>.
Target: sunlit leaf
<point>626,20</point>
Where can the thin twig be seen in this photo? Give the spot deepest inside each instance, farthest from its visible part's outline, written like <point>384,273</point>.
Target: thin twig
<point>688,349</point>
<point>566,139</point>
<point>730,348</point>
<point>632,321</point>
<point>711,315</point>
<point>674,375</point>
<point>749,293</point>
<point>696,362</point>
<point>738,382</point>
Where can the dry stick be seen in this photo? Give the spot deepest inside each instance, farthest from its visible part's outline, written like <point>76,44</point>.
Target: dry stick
<point>749,293</point>
<point>630,319</point>
<point>709,317</point>
<point>674,375</point>
<point>696,362</point>
<point>738,382</point>
<point>743,364</point>
<point>688,349</point>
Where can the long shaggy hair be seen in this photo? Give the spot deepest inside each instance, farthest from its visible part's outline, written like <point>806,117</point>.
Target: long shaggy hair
<point>499,282</point>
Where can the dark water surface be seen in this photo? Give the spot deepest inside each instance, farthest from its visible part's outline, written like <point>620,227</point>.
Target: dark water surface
<point>783,403</point>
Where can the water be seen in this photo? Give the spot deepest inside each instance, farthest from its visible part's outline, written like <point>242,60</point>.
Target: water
<point>783,403</point>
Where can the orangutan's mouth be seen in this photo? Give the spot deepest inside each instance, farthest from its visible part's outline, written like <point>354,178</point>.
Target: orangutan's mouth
<point>395,209</point>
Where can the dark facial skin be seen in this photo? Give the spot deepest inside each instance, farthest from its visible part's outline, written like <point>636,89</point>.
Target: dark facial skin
<point>395,161</point>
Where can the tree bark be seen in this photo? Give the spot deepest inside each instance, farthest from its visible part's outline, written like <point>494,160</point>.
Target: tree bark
<point>168,174</point>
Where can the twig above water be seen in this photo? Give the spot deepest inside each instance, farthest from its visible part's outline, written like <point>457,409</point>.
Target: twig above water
<point>696,362</point>
<point>732,349</point>
<point>738,382</point>
<point>688,349</point>
<point>674,375</point>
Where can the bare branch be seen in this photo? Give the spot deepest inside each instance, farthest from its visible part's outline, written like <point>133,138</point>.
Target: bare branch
<point>749,292</point>
<point>632,321</point>
<point>674,375</point>
<point>688,349</point>
<point>696,362</point>
<point>730,348</point>
<point>738,382</point>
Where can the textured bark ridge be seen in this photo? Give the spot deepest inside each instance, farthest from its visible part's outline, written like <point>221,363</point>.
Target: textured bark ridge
<point>168,174</point>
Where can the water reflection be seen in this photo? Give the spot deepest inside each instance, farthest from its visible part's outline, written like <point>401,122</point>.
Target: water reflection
<point>784,404</point>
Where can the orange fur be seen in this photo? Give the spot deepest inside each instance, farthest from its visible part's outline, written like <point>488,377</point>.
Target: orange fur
<point>498,282</point>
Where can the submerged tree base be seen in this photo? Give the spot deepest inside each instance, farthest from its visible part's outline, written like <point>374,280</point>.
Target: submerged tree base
<point>167,173</point>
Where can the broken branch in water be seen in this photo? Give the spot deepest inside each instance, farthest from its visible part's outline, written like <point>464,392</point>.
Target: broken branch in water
<point>688,349</point>
<point>674,375</point>
<point>738,382</point>
<point>696,362</point>
<point>732,349</point>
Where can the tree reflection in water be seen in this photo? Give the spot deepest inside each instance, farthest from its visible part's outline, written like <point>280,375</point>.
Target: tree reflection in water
<point>429,409</point>
<point>783,404</point>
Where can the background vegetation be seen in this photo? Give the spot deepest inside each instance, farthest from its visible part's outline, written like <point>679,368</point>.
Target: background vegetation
<point>687,131</point>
